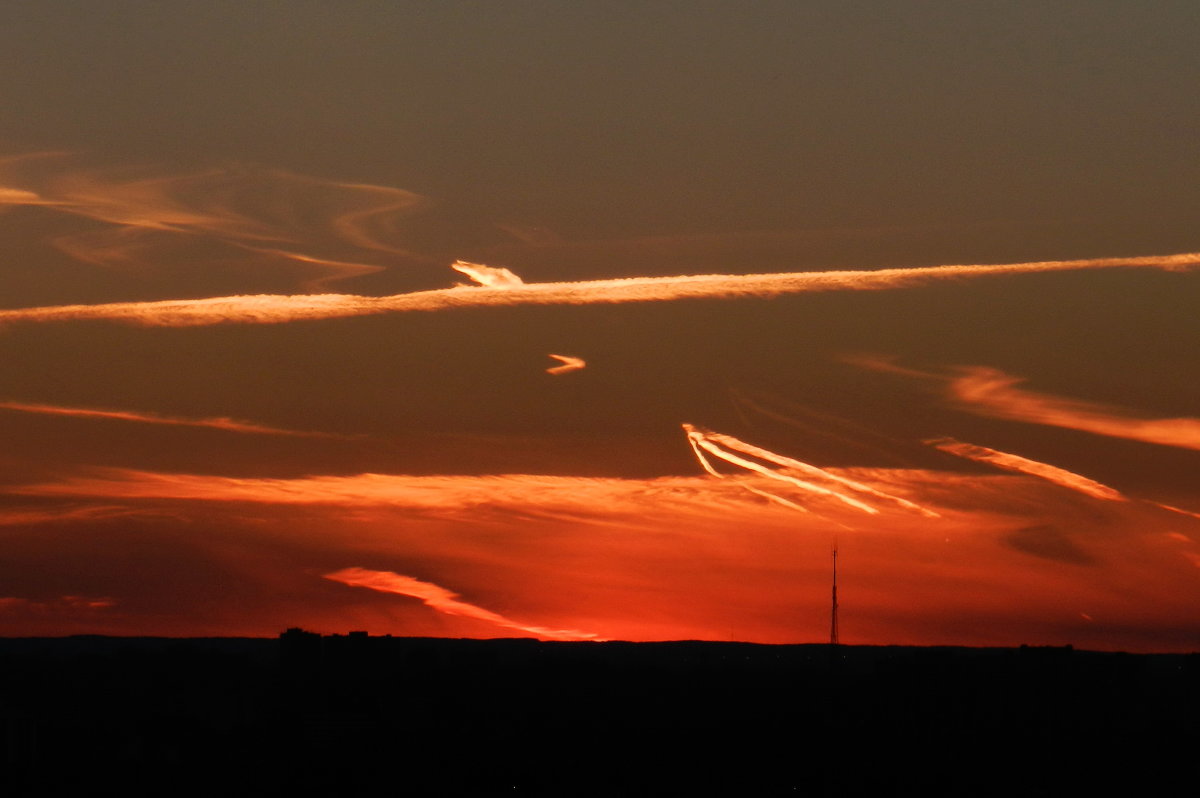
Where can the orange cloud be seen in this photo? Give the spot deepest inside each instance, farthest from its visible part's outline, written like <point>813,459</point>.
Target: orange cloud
<point>989,392</point>
<point>1013,462</point>
<point>269,211</point>
<point>277,308</point>
<point>220,422</point>
<point>54,515</point>
<point>454,494</point>
<point>992,393</point>
<point>443,600</point>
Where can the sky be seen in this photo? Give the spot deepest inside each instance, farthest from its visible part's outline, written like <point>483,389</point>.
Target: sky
<point>598,321</point>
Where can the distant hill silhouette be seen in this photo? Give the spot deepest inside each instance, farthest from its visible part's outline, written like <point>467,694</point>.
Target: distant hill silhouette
<point>353,714</point>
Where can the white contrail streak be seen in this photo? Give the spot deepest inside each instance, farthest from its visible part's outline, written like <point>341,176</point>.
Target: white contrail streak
<point>489,276</point>
<point>569,364</point>
<point>1014,462</point>
<point>709,441</point>
<point>279,308</point>
<point>707,466</point>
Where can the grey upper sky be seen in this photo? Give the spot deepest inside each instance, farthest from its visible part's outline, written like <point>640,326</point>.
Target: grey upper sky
<point>642,118</point>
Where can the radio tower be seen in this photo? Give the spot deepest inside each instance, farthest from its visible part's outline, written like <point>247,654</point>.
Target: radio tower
<point>833,625</point>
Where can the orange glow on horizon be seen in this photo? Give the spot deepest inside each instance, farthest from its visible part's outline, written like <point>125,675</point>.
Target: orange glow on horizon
<point>1007,561</point>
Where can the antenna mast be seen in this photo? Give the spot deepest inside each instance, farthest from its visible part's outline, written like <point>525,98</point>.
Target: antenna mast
<point>833,626</point>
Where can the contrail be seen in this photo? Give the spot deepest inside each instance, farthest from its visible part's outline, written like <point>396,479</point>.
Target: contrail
<point>443,600</point>
<point>279,308</point>
<point>221,422</point>
<point>707,466</point>
<point>1013,462</point>
<point>1173,509</point>
<point>569,364</point>
<point>710,441</point>
<point>700,440</point>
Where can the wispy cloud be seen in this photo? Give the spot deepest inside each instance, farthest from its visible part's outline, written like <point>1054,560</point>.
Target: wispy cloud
<point>60,605</point>
<point>43,515</point>
<point>446,601</point>
<point>220,422</point>
<point>440,494</point>
<point>278,308</point>
<point>267,211</point>
<point>992,393</point>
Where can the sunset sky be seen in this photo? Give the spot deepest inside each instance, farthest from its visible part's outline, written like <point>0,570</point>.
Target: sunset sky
<point>602,320</point>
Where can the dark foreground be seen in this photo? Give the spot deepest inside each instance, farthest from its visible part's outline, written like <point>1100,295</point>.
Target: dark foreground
<point>395,716</point>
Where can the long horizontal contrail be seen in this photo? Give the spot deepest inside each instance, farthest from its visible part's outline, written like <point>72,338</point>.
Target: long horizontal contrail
<point>445,601</point>
<point>220,422</point>
<point>279,308</point>
<point>1014,462</point>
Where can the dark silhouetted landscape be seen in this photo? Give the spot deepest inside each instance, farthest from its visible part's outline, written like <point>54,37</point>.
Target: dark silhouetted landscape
<point>355,714</point>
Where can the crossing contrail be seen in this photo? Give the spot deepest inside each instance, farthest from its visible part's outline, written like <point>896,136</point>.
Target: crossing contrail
<point>723,446</point>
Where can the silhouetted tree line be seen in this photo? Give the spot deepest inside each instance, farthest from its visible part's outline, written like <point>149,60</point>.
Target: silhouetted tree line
<point>353,714</point>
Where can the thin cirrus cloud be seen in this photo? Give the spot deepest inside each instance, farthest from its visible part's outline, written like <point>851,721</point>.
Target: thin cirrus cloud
<point>450,495</point>
<point>992,393</point>
<point>278,308</point>
<point>220,423</point>
<point>445,601</point>
<point>266,211</point>
<point>62,604</point>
